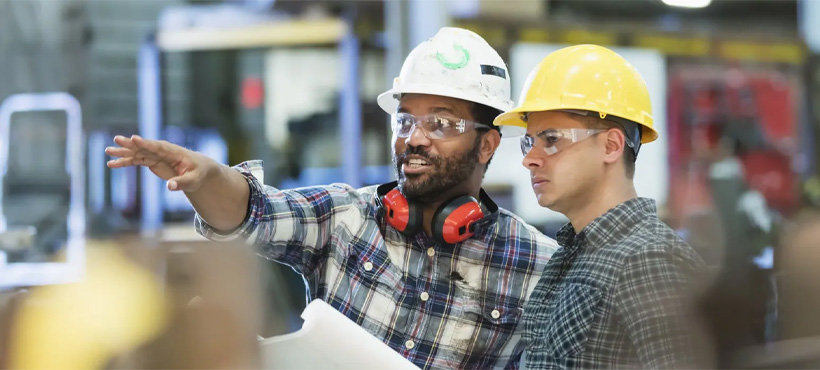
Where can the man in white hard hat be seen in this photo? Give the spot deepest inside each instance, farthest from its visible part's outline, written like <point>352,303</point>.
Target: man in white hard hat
<point>618,293</point>
<point>428,264</point>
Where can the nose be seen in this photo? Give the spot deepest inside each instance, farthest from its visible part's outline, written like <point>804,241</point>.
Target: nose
<point>417,137</point>
<point>532,160</point>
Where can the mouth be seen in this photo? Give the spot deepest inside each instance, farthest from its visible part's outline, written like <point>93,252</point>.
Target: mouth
<point>536,183</point>
<point>415,165</point>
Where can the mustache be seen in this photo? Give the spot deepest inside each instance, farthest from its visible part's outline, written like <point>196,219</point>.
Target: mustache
<point>418,151</point>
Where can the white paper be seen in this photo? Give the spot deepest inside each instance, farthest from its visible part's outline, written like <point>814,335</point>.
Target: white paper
<point>329,340</point>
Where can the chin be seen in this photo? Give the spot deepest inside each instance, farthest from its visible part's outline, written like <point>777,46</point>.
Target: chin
<point>546,202</point>
<point>542,200</point>
<point>411,181</point>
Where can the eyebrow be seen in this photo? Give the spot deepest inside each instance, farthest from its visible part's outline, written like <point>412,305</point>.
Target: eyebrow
<point>437,109</point>
<point>442,109</point>
<point>540,132</point>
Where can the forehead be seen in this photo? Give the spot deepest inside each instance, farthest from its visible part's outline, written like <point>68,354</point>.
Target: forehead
<point>425,102</point>
<point>540,121</point>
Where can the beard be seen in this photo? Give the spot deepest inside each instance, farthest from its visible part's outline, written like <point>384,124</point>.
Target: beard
<point>447,173</point>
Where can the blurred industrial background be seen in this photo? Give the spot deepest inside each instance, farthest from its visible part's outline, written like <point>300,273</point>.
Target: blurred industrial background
<point>735,89</point>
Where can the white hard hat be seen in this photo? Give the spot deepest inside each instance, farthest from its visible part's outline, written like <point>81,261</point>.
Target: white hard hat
<point>456,63</point>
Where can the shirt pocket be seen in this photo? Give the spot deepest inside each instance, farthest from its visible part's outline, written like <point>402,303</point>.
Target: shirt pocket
<point>571,317</point>
<point>374,285</point>
<point>481,332</point>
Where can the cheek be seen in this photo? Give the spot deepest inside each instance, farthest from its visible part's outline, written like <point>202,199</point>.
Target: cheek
<point>562,174</point>
<point>441,148</point>
<point>565,172</point>
<point>459,146</point>
<point>442,151</point>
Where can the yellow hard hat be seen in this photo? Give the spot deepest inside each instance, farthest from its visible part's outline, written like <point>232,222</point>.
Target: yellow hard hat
<point>584,77</point>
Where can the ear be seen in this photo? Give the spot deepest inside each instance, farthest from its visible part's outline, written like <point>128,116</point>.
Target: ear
<point>615,145</point>
<point>489,143</point>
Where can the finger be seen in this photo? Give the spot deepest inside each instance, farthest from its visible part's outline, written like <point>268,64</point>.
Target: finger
<point>185,181</point>
<point>161,150</point>
<point>146,151</point>
<point>143,158</point>
<point>120,163</point>
<point>119,152</point>
<point>154,147</point>
<point>124,142</point>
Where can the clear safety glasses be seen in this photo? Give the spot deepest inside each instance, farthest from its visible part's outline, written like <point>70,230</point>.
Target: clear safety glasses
<point>554,140</point>
<point>433,126</point>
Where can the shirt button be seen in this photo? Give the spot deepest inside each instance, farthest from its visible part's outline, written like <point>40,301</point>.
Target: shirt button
<point>368,266</point>
<point>495,314</point>
<point>424,296</point>
<point>431,252</point>
<point>409,344</point>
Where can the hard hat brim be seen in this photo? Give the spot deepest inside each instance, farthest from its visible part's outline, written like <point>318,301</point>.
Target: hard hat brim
<point>388,100</point>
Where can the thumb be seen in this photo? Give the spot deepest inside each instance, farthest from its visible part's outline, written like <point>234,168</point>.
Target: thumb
<point>188,181</point>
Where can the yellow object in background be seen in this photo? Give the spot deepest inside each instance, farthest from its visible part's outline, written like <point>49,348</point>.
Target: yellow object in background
<point>117,307</point>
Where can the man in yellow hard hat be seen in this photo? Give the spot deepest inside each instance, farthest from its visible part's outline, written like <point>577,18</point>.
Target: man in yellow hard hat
<point>614,294</point>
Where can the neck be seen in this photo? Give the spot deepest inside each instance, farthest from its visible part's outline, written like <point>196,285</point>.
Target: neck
<point>472,189</point>
<point>602,200</point>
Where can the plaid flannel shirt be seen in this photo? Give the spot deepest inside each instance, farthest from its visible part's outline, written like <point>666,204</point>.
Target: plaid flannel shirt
<point>439,306</point>
<point>615,295</point>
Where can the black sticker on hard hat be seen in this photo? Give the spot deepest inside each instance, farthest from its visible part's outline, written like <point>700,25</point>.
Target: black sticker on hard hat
<point>493,70</point>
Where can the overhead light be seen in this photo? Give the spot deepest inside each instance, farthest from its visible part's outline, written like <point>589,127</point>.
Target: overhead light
<point>688,3</point>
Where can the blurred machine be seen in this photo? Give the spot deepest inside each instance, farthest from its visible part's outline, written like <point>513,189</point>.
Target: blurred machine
<point>749,114</point>
<point>42,192</point>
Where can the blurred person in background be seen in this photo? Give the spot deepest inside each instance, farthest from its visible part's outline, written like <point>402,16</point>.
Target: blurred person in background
<point>797,345</point>
<point>799,279</point>
<point>735,305</point>
<point>428,264</point>
<point>616,293</point>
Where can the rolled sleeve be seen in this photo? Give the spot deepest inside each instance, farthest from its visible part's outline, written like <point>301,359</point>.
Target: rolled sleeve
<point>252,171</point>
<point>294,226</point>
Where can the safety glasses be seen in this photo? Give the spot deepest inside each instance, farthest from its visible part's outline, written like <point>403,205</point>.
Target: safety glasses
<point>433,126</point>
<point>554,140</point>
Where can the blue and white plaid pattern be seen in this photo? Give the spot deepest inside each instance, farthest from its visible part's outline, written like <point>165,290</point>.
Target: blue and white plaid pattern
<point>616,295</point>
<point>439,306</point>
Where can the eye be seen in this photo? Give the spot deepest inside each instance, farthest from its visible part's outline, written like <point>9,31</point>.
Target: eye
<point>443,122</point>
<point>551,137</point>
<point>404,120</point>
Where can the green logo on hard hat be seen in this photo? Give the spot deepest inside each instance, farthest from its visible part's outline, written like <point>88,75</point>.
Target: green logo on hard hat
<point>452,63</point>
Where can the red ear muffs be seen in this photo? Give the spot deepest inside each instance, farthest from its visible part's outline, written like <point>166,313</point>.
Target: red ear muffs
<point>403,215</point>
<point>454,221</point>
